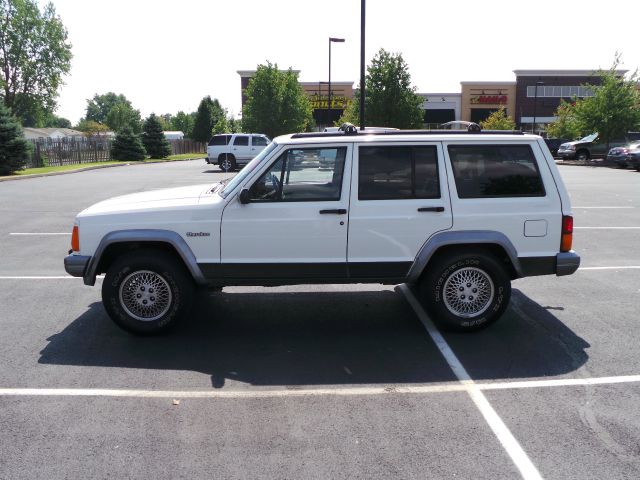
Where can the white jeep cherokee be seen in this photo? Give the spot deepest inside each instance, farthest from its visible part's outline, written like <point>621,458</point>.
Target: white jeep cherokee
<point>457,214</point>
<point>233,150</point>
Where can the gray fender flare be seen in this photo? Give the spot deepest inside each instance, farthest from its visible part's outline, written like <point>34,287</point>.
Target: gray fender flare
<point>478,237</point>
<point>142,236</point>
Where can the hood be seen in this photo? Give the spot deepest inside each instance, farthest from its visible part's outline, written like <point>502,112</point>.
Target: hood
<point>149,200</point>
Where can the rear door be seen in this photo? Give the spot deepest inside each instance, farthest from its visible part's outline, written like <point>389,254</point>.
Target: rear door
<point>258,143</point>
<point>399,198</point>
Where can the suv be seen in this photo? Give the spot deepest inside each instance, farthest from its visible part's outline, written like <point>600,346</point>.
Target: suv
<point>592,146</point>
<point>458,215</point>
<point>232,150</point>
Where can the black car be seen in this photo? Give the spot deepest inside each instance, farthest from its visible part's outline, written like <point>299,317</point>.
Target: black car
<point>620,155</point>
<point>554,144</point>
<point>633,157</point>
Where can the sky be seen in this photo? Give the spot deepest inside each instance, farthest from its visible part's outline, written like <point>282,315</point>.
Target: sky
<point>165,56</point>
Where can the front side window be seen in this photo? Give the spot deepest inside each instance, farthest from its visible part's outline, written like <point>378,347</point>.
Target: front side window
<point>241,141</point>
<point>302,175</point>
<point>489,171</point>
<point>398,172</point>
<point>259,141</point>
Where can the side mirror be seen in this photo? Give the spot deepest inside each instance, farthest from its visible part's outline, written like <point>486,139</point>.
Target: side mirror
<point>244,196</point>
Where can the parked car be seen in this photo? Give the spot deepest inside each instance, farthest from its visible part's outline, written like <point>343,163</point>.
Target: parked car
<point>554,144</point>
<point>633,156</point>
<point>592,146</point>
<point>233,150</point>
<point>619,155</point>
<point>457,216</point>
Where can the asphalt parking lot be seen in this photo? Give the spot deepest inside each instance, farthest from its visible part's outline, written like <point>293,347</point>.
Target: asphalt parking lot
<point>325,381</point>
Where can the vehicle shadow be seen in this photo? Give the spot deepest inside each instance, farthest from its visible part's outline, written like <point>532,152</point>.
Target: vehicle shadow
<point>322,338</point>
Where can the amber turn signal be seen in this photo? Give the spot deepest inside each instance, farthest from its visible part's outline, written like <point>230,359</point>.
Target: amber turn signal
<point>567,233</point>
<point>75,239</point>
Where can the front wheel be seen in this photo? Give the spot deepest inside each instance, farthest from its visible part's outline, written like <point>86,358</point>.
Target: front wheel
<point>466,292</point>
<point>583,155</point>
<point>227,162</point>
<point>147,293</point>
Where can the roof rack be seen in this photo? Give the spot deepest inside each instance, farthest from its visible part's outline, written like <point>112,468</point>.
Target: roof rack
<point>350,130</point>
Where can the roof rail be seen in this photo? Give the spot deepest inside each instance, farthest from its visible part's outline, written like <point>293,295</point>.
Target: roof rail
<point>472,129</point>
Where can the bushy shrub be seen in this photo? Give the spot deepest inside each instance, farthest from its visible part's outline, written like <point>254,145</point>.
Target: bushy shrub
<point>127,146</point>
<point>14,149</point>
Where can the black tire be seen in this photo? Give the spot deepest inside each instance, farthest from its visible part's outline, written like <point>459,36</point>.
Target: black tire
<point>458,310</point>
<point>583,155</point>
<point>227,162</point>
<point>145,273</point>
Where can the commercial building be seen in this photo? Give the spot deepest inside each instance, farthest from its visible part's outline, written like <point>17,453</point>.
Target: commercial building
<point>481,99</point>
<point>440,108</point>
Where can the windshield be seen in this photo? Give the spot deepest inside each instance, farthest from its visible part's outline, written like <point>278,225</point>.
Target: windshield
<point>589,138</point>
<point>242,174</point>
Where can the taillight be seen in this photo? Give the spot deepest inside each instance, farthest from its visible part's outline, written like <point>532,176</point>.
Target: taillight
<point>567,233</point>
<point>75,239</point>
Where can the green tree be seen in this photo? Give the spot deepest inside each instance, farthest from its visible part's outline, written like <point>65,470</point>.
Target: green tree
<point>390,100</point>
<point>124,115</point>
<point>209,114</point>
<point>276,103</point>
<point>100,105</point>
<point>90,128</point>
<point>127,146</point>
<point>53,121</point>
<point>235,125</point>
<point>35,56</point>
<point>153,138</point>
<point>14,149</point>
<point>498,120</point>
<point>566,125</point>
<point>614,109</point>
<point>183,122</point>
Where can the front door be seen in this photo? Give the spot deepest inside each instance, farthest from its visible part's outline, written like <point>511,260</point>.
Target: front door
<point>295,224</point>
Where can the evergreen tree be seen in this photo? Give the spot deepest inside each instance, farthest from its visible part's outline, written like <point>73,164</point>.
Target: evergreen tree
<point>153,138</point>
<point>127,146</point>
<point>209,115</point>
<point>14,149</point>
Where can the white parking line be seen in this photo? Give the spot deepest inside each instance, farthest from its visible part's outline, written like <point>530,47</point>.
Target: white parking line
<point>39,233</point>
<point>510,444</point>
<point>314,392</point>
<point>621,267</point>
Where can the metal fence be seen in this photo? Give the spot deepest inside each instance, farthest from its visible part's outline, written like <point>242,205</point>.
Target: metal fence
<point>72,151</point>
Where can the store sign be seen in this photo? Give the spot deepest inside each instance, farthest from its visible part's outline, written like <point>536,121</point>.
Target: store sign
<point>321,102</point>
<point>489,99</point>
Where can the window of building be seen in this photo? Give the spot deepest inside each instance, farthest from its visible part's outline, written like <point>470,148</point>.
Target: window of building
<point>396,172</point>
<point>487,171</point>
<point>302,175</point>
<point>554,91</point>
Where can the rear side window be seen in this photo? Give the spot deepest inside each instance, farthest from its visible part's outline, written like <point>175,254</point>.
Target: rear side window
<point>487,171</point>
<point>219,140</point>
<point>397,172</point>
<point>241,140</point>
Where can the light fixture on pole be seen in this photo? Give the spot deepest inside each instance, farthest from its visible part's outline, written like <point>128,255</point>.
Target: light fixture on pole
<point>535,106</point>
<point>331,40</point>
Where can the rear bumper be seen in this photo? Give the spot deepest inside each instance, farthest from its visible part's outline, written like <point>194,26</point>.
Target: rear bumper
<point>76,265</point>
<point>567,263</point>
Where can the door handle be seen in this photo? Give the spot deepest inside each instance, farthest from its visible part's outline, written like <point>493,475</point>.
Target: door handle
<point>431,209</point>
<point>337,211</point>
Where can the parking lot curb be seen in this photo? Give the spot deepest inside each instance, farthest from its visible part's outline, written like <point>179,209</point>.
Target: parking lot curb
<point>95,167</point>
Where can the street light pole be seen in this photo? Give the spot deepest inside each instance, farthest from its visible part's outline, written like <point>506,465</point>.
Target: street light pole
<point>363,5</point>
<point>535,106</point>
<point>331,40</point>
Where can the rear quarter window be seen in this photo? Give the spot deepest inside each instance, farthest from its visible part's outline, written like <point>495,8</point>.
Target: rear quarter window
<point>494,171</point>
<point>219,140</point>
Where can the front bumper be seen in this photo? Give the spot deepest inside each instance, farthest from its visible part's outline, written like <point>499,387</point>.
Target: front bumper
<point>567,263</point>
<point>76,265</point>
<point>567,154</point>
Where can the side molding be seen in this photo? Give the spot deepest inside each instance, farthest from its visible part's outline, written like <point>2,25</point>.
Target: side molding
<point>142,236</point>
<point>443,239</point>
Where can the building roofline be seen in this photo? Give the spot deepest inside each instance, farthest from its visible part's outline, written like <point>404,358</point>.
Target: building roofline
<point>561,73</point>
<point>251,73</point>
<point>315,84</point>
<point>489,83</point>
<point>440,94</point>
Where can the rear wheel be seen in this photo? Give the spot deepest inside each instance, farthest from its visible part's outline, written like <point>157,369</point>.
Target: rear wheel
<point>146,293</point>
<point>227,162</point>
<point>466,291</point>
